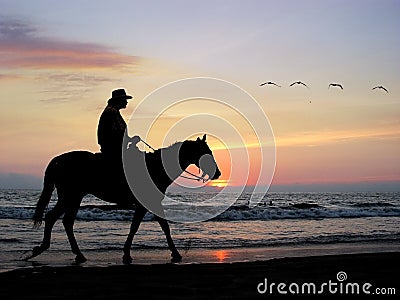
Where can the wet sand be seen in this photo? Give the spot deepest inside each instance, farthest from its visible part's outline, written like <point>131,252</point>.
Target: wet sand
<point>238,280</point>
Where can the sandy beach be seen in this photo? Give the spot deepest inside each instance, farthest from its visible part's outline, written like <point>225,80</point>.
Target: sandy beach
<point>375,272</point>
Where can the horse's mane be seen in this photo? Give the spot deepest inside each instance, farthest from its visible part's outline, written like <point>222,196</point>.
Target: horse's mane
<point>156,155</point>
<point>158,151</point>
<point>189,145</point>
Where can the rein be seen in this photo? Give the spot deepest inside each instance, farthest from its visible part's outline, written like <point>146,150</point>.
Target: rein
<point>195,177</point>
<point>148,145</point>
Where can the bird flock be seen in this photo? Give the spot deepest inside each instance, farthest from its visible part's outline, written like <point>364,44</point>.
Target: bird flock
<point>329,86</point>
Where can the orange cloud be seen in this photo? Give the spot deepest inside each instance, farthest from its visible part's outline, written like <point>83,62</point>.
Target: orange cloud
<point>9,77</point>
<point>329,137</point>
<point>20,47</point>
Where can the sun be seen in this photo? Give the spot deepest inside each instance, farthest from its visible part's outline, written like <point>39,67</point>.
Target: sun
<point>219,183</point>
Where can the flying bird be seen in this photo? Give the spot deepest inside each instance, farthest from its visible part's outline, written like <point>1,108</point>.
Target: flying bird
<point>335,84</point>
<point>269,82</point>
<point>381,87</point>
<point>299,82</point>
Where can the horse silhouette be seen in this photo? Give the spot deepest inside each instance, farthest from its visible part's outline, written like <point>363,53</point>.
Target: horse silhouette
<point>78,173</point>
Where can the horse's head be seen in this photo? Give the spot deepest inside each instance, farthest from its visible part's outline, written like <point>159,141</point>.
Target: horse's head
<point>201,155</point>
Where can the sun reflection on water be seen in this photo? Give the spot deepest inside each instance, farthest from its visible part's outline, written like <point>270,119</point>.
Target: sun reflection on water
<point>221,255</point>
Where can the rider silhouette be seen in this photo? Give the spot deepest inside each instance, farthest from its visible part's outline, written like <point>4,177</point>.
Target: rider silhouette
<point>111,133</point>
<point>112,127</point>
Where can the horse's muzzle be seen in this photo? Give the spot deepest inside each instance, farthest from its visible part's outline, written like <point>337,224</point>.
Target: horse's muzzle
<point>216,174</point>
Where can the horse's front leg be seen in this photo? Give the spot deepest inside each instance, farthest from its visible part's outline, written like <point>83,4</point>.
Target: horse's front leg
<point>140,211</point>
<point>176,257</point>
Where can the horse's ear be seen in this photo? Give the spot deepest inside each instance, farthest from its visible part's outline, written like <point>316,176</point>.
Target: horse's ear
<point>198,139</point>
<point>204,138</point>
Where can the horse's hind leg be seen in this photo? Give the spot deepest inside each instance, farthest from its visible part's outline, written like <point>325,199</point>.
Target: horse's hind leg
<point>176,257</point>
<point>50,219</point>
<point>68,222</point>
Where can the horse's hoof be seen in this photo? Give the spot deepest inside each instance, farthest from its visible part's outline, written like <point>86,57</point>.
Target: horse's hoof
<point>37,251</point>
<point>80,259</point>
<point>127,259</point>
<point>33,253</point>
<point>176,257</point>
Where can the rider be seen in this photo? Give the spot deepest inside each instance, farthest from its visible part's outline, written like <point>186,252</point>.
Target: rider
<point>111,131</point>
<point>112,127</point>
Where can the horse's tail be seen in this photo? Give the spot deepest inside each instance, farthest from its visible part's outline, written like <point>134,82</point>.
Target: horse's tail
<point>48,188</point>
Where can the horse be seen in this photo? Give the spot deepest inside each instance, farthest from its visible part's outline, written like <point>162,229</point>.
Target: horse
<point>79,173</point>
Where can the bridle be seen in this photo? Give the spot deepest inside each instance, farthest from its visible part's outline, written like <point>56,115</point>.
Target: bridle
<point>195,177</point>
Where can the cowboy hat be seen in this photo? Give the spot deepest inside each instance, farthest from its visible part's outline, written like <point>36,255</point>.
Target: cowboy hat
<point>119,94</point>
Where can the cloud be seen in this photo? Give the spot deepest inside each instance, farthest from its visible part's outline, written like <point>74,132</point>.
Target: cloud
<point>21,46</point>
<point>9,77</point>
<point>338,136</point>
<point>71,86</point>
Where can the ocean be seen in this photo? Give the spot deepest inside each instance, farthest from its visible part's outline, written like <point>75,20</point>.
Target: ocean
<point>279,220</point>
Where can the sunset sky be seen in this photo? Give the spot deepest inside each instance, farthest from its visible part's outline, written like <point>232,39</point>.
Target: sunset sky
<point>60,60</point>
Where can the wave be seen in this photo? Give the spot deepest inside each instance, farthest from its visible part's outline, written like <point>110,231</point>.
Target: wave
<point>234,213</point>
<point>372,204</point>
<point>308,211</point>
<point>10,240</point>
